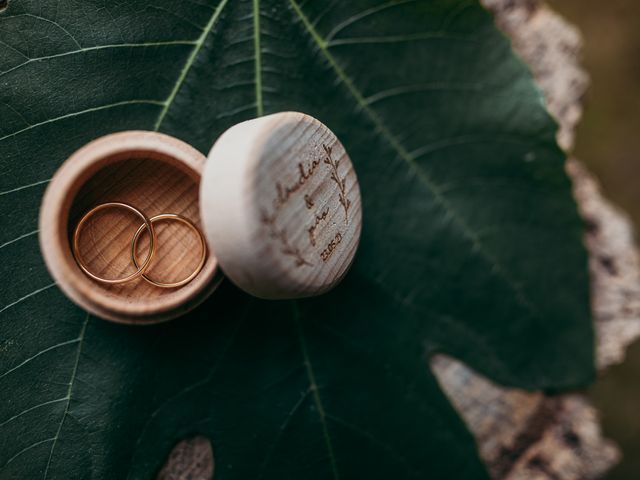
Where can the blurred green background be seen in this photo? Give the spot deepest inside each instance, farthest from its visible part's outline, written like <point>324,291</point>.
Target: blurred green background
<point>608,142</point>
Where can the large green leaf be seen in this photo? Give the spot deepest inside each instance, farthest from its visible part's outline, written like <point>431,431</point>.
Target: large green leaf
<point>471,242</point>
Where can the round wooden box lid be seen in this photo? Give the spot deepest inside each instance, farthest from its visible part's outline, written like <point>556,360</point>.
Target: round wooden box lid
<point>280,205</point>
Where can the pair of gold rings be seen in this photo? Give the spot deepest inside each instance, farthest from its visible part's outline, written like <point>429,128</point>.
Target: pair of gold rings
<point>141,267</point>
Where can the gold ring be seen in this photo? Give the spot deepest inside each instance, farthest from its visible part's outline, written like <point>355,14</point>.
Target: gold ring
<point>141,269</point>
<point>187,222</point>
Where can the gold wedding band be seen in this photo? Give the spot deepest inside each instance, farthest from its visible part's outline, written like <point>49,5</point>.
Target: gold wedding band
<point>177,218</point>
<point>140,269</point>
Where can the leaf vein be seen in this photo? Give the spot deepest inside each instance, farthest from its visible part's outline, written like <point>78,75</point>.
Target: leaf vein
<point>17,189</point>
<point>281,430</point>
<point>17,239</point>
<point>364,14</point>
<point>313,387</point>
<point>29,295</point>
<point>74,372</point>
<point>26,449</point>
<point>83,112</point>
<point>97,47</point>
<point>41,352</point>
<point>421,88</point>
<point>52,22</point>
<point>198,383</point>
<point>399,39</point>
<point>189,63</point>
<point>35,407</point>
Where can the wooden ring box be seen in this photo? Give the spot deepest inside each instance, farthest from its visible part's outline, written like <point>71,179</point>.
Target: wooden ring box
<point>278,201</point>
<point>156,174</point>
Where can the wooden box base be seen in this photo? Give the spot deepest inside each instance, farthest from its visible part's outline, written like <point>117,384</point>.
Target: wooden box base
<point>154,173</point>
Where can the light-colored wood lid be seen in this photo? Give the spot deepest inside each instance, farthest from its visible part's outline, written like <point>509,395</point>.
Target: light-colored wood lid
<point>280,205</point>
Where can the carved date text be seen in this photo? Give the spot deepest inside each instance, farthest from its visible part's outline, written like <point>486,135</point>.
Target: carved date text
<point>331,247</point>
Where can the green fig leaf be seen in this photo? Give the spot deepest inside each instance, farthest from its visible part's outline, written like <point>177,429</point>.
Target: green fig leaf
<point>471,243</point>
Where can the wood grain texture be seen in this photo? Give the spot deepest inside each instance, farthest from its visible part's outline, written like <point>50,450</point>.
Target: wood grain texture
<point>156,174</point>
<point>281,206</point>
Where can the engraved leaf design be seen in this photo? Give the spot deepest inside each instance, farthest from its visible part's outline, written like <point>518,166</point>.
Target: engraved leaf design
<point>471,242</point>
